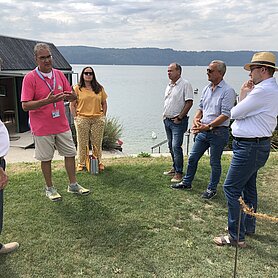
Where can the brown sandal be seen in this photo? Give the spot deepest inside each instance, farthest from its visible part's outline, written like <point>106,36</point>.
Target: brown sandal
<point>227,240</point>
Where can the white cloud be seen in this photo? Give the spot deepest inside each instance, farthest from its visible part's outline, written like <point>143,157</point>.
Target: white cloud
<point>182,25</point>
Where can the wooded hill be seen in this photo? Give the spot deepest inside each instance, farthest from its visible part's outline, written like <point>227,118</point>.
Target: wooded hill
<point>151,56</point>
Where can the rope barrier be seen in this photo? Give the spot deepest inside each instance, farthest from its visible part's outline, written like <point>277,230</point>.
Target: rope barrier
<point>251,212</point>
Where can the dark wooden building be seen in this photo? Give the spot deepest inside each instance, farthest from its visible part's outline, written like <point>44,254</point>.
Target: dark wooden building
<point>17,59</point>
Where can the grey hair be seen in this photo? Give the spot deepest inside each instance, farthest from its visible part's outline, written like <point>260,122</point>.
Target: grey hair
<point>178,67</point>
<point>40,46</point>
<point>221,66</point>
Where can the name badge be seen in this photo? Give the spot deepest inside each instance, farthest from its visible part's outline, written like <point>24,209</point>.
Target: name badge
<point>55,114</point>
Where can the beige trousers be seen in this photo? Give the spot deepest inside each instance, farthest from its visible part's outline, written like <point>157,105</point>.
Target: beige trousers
<point>89,129</point>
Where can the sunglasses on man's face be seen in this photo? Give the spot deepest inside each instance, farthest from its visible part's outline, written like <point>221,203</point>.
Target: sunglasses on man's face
<point>88,73</point>
<point>210,71</point>
<point>253,68</point>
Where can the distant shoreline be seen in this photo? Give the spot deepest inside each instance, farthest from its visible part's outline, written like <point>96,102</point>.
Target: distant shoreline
<point>151,56</point>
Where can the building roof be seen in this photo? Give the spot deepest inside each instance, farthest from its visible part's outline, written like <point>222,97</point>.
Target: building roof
<point>17,55</point>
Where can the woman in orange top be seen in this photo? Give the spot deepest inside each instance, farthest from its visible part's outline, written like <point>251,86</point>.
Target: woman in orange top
<point>89,112</point>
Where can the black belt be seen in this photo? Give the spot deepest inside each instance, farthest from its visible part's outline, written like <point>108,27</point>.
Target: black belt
<point>216,127</point>
<point>256,139</point>
<point>172,119</point>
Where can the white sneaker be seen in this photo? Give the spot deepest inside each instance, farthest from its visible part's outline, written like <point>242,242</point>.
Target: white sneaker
<point>170,173</point>
<point>52,194</point>
<point>9,247</point>
<point>78,189</point>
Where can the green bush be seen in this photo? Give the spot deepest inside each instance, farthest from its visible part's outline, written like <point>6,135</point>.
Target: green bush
<point>274,140</point>
<point>112,132</point>
<point>144,154</point>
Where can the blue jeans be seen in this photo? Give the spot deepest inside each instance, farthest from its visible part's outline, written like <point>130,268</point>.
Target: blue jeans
<point>175,134</point>
<point>248,158</point>
<point>216,140</point>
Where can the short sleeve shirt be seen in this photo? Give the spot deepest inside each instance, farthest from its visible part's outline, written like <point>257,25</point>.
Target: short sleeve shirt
<point>42,122</point>
<point>89,104</point>
<point>175,97</point>
<point>4,140</point>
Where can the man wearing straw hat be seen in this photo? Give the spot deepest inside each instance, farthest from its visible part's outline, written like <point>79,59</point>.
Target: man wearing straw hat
<point>255,119</point>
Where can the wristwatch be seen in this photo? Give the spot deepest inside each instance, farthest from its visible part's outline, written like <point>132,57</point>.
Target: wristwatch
<point>210,127</point>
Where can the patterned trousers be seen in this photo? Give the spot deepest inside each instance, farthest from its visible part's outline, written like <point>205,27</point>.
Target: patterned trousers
<point>89,129</point>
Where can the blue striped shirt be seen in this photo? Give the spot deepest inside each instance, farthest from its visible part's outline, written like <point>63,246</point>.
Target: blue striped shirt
<point>217,102</point>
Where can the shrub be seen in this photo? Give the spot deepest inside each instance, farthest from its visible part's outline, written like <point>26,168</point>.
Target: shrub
<point>144,154</point>
<point>112,133</point>
<point>274,140</point>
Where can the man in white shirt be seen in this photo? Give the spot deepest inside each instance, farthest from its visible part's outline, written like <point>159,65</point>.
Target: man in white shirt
<point>255,119</point>
<point>4,147</point>
<point>178,100</point>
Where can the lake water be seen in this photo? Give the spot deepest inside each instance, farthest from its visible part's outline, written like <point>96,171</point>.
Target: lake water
<point>136,98</point>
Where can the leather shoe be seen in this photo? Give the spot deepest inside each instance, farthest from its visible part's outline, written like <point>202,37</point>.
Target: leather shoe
<point>177,178</point>
<point>9,247</point>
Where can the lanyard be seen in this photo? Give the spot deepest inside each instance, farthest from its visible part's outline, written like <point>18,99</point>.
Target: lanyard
<point>48,85</point>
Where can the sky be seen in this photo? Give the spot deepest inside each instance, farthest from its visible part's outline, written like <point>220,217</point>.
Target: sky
<point>191,25</point>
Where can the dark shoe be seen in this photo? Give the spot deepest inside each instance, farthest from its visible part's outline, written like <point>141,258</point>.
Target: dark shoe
<point>249,233</point>
<point>182,186</point>
<point>209,194</point>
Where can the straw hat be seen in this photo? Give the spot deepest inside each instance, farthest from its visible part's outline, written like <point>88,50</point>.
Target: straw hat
<point>266,59</point>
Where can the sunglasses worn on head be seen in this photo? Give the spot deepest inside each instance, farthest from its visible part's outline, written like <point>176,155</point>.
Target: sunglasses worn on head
<point>88,73</point>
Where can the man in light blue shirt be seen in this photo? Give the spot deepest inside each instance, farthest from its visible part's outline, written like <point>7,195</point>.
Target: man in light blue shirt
<point>211,126</point>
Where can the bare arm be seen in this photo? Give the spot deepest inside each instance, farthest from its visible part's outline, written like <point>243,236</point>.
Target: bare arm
<point>184,111</point>
<point>104,107</point>
<point>197,118</point>
<point>72,107</point>
<point>186,108</point>
<point>219,120</point>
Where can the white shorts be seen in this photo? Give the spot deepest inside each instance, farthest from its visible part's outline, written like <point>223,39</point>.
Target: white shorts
<point>45,146</point>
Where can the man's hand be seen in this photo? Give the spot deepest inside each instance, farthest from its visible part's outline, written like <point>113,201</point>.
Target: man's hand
<point>198,128</point>
<point>246,87</point>
<point>55,98</point>
<point>3,178</point>
<point>196,122</point>
<point>70,96</point>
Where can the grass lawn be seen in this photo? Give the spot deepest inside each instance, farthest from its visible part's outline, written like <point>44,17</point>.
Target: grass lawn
<point>132,225</point>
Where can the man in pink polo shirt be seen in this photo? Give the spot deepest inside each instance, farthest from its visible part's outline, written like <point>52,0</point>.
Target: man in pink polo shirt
<point>43,93</point>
